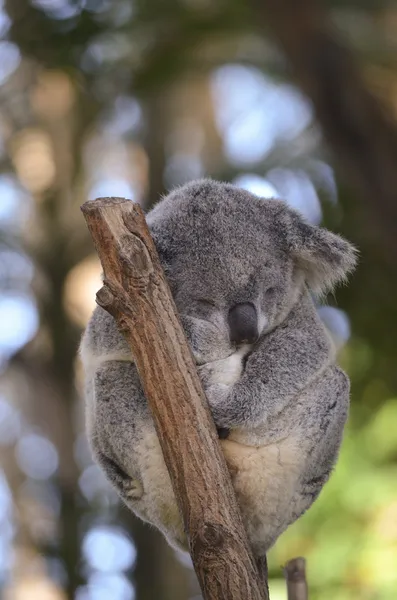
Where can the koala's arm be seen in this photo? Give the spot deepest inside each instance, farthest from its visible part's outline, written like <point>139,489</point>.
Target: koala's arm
<point>116,408</point>
<point>284,363</point>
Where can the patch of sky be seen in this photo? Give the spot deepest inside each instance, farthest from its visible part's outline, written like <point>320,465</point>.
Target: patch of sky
<point>103,586</point>
<point>14,204</point>
<point>10,57</point>
<point>295,187</point>
<point>19,323</point>
<point>37,457</point>
<point>108,549</point>
<point>252,112</point>
<point>93,484</point>
<point>256,185</point>
<point>59,9</point>
<point>15,269</point>
<point>125,117</point>
<point>5,21</point>
<point>337,322</point>
<point>111,187</point>
<point>5,501</point>
<point>298,190</point>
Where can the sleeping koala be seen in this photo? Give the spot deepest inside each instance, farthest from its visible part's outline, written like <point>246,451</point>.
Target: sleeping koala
<point>240,269</point>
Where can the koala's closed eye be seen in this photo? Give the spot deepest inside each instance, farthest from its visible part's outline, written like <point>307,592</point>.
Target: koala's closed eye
<point>206,303</point>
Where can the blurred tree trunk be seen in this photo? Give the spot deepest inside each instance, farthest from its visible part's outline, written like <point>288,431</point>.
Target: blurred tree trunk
<point>158,574</point>
<point>156,128</point>
<point>360,134</point>
<point>51,381</point>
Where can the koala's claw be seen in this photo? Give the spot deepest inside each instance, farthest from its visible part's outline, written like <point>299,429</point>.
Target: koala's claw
<point>133,489</point>
<point>223,433</point>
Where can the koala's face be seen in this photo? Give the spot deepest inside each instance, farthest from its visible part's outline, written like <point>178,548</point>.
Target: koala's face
<point>232,262</point>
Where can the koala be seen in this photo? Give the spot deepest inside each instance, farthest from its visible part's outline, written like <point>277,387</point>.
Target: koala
<point>242,271</point>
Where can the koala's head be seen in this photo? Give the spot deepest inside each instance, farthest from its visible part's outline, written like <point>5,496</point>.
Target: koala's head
<point>236,263</point>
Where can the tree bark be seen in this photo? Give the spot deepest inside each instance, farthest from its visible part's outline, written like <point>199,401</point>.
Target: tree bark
<point>295,575</point>
<point>136,294</point>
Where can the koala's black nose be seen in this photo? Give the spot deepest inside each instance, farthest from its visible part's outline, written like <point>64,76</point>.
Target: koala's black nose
<point>243,323</point>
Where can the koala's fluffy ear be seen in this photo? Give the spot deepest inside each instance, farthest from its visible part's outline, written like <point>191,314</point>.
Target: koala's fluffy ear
<point>325,258</point>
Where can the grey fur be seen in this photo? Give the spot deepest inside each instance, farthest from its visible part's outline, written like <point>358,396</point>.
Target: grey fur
<point>282,401</point>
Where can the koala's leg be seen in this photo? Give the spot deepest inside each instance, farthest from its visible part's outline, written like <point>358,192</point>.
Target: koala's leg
<point>264,479</point>
<point>129,488</point>
<point>321,423</point>
<point>126,447</point>
<point>277,481</point>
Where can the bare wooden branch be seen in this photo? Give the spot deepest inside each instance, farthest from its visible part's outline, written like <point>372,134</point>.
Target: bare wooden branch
<point>136,293</point>
<point>295,575</point>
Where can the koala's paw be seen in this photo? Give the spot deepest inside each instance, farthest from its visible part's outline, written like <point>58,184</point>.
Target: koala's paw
<point>217,395</point>
<point>226,371</point>
<point>133,489</point>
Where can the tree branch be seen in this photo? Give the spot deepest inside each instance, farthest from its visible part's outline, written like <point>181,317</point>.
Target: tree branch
<point>295,575</point>
<point>136,293</point>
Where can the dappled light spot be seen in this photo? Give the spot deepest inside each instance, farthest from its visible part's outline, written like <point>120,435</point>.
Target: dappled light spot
<point>37,456</point>
<point>32,154</point>
<point>15,203</point>
<point>94,485</point>
<point>337,322</point>
<point>5,22</point>
<point>54,95</point>
<point>59,9</point>
<point>97,6</point>
<point>125,117</point>
<point>16,269</point>
<point>108,549</point>
<point>111,187</point>
<point>5,555</point>
<point>102,586</point>
<point>299,192</point>
<point>10,198</point>
<point>323,177</point>
<point>253,112</point>
<point>5,501</point>
<point>256,185</point>
<point>19,322</point>
<point>104,50</point>
<point>81,286</point>
<point>10,59</point>
<point>34,587</point>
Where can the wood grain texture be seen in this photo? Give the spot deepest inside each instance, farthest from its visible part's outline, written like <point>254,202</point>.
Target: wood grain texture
<point>295,575</point>
<point>136,293</point>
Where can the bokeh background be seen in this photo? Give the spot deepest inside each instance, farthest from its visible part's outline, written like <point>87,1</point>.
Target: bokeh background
<point>287,98</point>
